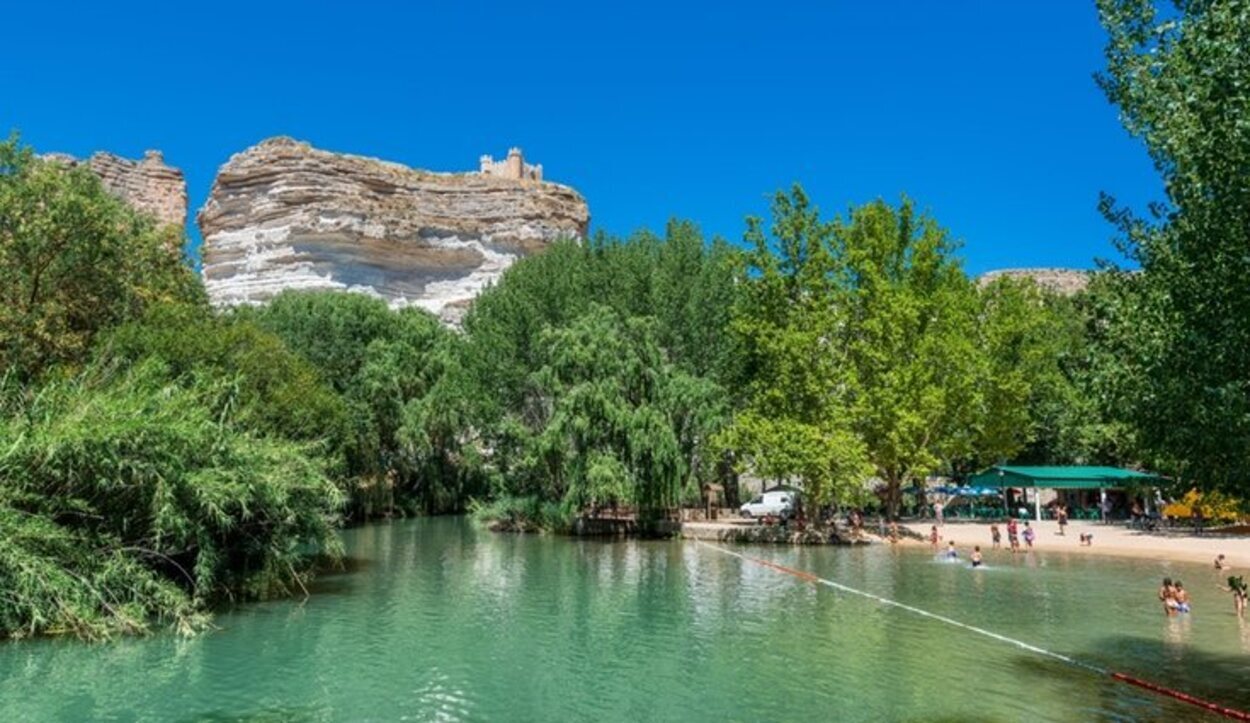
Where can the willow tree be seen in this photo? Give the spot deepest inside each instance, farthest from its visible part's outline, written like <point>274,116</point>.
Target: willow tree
<point>608,421</point>
<point>1181,79</point>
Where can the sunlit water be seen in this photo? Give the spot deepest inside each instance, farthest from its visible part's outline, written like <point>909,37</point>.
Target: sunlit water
<point>438,620</point>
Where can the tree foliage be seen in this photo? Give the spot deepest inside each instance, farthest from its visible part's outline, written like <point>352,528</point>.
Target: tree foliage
<point>73,260</point>
<point>125,499</point>
<point>1181,79</point>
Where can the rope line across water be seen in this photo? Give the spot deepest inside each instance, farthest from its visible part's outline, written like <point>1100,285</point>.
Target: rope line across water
<point>1216,708</point>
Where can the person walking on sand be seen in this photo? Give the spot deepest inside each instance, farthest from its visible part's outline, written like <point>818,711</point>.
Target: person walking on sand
<point>1238,587</point>
<point>933,538</point>
<point>1028,535</point>
<point>1061,514</point>
<point>1013,535</point>
<point>937,512</point>
<point>996,537</point>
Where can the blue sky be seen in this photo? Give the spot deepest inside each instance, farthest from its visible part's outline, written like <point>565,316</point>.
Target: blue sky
<point>983,112</point>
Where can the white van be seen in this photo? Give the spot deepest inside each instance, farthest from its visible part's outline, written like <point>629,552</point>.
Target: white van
<point>779,503</point>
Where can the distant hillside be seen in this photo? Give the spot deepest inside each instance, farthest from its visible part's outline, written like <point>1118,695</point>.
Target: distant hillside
<point>1060,281</point>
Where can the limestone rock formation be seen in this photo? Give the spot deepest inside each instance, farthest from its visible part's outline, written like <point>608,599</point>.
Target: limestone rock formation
<point>1061,281</point>
<point>148,184</point>
<point>284,215</point>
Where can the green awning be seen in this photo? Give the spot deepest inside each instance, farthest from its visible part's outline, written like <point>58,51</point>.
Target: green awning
<point>1061,478</point>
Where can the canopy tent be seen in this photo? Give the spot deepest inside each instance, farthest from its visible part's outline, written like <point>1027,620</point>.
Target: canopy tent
<point>1061,478</point>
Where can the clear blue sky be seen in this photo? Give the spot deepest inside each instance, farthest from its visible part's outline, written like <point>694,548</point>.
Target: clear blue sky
<point>984,112</point>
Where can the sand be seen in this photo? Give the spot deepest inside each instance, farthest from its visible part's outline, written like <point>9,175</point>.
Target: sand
<point>1115,539</point>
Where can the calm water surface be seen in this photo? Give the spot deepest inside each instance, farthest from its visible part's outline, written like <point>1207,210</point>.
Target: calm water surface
<point>438,620</point>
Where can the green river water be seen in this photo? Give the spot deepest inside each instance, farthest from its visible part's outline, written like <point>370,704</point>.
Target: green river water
<point>438,620</point>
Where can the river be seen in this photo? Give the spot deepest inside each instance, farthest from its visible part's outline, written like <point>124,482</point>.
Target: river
<point>435,619</point>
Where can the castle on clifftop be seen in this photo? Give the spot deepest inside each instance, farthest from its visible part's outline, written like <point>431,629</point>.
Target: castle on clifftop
<point>514,167</point>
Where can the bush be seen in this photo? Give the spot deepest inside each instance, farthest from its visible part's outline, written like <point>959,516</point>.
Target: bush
<point>127,500</point>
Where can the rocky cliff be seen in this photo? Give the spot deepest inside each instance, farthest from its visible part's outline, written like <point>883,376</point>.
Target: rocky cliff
<point>284,215</point>
<point>148,184</point>
<point>1060,281</point>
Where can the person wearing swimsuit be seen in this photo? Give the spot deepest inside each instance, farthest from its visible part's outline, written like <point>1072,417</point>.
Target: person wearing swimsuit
<point>1167,595</point>
<point>1182,597</point>
<point>976,556</point>
<point>1241,592</point>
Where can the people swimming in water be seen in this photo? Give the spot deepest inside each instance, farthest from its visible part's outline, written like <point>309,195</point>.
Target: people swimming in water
<point>976,556</point>
<point>1028,535</point>
<point>996,536</point>
<point>951,552</point>
<point>1240,590</point>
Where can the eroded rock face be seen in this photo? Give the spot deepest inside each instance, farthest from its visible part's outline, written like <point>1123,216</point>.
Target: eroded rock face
<point>148,184</point>
<point>284,215</point>
<point>1060,281</point>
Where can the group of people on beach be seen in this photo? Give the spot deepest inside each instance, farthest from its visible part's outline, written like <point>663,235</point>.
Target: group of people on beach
<point>1013,535</point>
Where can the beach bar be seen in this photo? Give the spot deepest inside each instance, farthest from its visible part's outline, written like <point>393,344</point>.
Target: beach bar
<point>1061,478</point>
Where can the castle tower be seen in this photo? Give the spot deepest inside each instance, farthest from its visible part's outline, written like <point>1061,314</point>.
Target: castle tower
<point>515,164</point>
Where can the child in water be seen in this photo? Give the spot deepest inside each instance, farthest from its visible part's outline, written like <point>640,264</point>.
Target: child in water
<point>1028,535</point>
<point>933,537</point>
<point>976,556</point>
<point>951,552</point>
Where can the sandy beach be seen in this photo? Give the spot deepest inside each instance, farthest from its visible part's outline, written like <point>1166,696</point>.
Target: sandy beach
<point>1114,539</point>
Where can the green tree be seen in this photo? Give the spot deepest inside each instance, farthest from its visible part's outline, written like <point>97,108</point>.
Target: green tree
<point>608,421</point>
<point>409,442</point>
<point>910,338</point>
<point>73,260</point>
<point>789,328</point>
<point>1181,79</point>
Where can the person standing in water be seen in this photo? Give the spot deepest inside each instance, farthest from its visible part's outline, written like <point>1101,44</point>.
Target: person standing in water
<point>1241,591</point>
<point>996,537</point>
<point>1167,596</point>
<point>976,556</point>
<point>933,538</point>
<point>1220,563</point>
<point>1181,595</point>
<point>1028,535</point>
<point>1013,534</point>
<point>951,552</point>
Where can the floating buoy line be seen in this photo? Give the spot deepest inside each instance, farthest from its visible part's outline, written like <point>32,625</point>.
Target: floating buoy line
<point>1225,711</point>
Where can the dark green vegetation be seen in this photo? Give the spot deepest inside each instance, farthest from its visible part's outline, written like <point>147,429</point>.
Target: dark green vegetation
<point>157,456</point>
<point>1181,79</point>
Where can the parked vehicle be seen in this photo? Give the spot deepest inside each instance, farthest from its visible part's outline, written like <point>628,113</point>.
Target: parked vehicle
<point>779,503</point>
